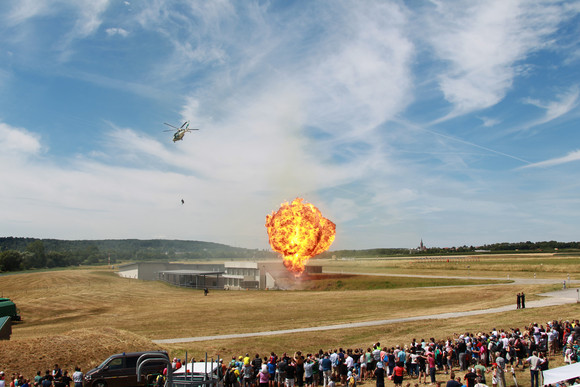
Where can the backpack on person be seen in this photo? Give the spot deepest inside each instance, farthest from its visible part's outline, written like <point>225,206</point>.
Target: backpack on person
<point>230,377</point>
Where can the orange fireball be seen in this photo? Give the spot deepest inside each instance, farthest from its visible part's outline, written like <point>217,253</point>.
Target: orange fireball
<point>299,231</point>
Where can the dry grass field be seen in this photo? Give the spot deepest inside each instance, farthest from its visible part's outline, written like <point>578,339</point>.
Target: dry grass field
<point>80,316</point>
<point>544,265</point>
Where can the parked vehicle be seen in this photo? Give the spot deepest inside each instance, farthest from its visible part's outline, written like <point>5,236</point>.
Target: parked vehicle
<point>120,370</point>
<point>8,308</point>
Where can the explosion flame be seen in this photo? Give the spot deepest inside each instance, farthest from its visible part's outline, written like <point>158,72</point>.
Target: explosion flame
<point>299,231</point>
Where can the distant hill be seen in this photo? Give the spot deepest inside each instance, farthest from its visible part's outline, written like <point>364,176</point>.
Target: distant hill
<point>32,253</point>
<point>26,253</point>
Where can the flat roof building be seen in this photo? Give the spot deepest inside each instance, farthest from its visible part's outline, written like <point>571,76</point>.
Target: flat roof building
<point>235,275</point>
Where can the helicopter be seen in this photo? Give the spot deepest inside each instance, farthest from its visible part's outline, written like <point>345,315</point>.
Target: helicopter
<point>178,136</point>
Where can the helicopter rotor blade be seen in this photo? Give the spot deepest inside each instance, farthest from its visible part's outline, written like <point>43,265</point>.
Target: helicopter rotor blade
<point>175,127</point>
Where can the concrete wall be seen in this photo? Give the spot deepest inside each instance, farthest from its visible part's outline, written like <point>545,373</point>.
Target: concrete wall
<point>132,273</point>
<point>148,270</point>
<point>241,264</point>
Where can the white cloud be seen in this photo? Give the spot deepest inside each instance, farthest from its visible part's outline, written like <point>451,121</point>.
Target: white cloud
<point>361,76</point>
<point>18,142</point>
<point>117,31</point>
<point>482,43</point>
<point>489,122</point>
<point>88,20</point>
<point>89,17</point>
<point>563,104</point>
<point>570,157</point>
<point>302,100</point>
<point>27,9</point>
<point>84,18</point>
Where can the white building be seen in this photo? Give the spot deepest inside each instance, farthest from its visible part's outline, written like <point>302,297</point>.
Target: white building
<point>241,275</point>
<point>235,275</point>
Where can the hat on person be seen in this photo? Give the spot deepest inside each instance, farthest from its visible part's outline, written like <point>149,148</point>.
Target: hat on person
<point>380,364</point>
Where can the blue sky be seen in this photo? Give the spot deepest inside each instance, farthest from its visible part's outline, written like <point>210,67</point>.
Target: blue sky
<point>455,122</point>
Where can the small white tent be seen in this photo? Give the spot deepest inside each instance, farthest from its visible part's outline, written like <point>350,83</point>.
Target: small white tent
<point>198,368</point>
<point>560,374</point>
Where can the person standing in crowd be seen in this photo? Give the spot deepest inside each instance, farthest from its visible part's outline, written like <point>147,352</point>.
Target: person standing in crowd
<point>432,367</point>
<point>326,366</point>
<point>398,373</point>
<point>535,363</point>
<point>379,374</point>
<point>271,371</point>
<point>299,361</point>
<point>38,379</point>
<point>56,372</point>
<point>470,377</point>
<point>462,351</point>
<point>452,382</point>
<point>309,371</point>
<point>500,361</point>
<point>263,376</point>
<point>494,379</point>
<point>78,377</point>
<point>247,375</point>
<point>290,373</point>
<point>480,370</point>
<point>66,379</point>
<point>47,380</point>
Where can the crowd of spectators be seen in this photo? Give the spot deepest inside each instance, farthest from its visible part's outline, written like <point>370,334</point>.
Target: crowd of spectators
<point>55,378</point>
<point>483,357</point>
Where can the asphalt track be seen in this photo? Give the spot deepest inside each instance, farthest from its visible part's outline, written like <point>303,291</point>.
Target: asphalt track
<point>560,297</point>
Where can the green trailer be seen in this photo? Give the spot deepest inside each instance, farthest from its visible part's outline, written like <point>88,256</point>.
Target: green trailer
<point>9,309</point>
<point>5,328</point>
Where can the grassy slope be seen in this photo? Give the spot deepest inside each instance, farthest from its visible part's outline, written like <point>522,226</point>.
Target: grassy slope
<point>85,301</point>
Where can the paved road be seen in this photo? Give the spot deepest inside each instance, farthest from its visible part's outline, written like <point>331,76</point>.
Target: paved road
<point>561,297</point>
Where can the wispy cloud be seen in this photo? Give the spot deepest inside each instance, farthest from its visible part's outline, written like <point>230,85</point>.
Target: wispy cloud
<point>24,10</point>
<point>117,31</point>
<point>570,157</point>
<point>489,122</point>
<point>85,19</point>
<point>480,45</point>
<point>563,104</point>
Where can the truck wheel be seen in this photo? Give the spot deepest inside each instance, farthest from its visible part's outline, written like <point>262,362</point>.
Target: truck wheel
<point>100,383</point>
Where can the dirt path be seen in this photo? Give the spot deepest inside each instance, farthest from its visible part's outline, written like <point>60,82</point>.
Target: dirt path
<point>560,297</point>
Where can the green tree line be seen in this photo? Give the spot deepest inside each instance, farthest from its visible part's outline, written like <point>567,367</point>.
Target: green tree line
<point>503,247</point>
<point>31,253</point>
